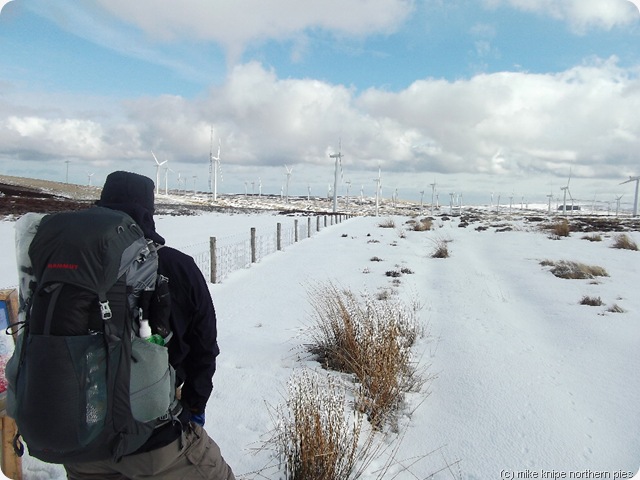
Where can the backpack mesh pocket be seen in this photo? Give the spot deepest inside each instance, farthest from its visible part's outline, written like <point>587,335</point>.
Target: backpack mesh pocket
<point>152,380</point>
<point>73,413</point>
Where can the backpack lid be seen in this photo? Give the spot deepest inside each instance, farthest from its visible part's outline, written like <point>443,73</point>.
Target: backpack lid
<point>86,248</point>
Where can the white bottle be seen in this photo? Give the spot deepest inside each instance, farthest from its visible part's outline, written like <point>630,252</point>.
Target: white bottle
<point>145,329</point>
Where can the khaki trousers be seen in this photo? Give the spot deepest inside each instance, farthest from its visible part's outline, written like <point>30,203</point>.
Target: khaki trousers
<point>199,458</point>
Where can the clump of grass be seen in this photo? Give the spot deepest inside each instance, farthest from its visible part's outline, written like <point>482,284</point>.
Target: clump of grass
<point>314,438</point>
<point>441,249</point>
<point>595,237</point>
<point>615,308</point>
<point>388,223</point>
<point>561,228</point>
<point>574,270</point>
<point>591,301</point>
<point>423,225</point>
<point>370,339</point>
<point>376,259</point>
<point>623,241</point>
<point>319,435</point>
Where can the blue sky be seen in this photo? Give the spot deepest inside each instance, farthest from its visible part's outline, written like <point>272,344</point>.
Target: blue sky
<point>502,96</point>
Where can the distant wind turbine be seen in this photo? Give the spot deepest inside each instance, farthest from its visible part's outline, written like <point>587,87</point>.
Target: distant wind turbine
<point>565,189</point>
<point>214,168</point>
<point>635,198</point>
<point>289,171</point>
<point>433,191</point>
<point>618,204</point>
<point>158,165</point>
<point>166,179</point>
<point>378,187</point>
<point>338,158</point>
<point>89,175</point>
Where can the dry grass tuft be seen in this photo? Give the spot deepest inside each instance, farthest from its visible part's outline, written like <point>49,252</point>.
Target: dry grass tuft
<point>423,225</point>
<point>441,249</point>
<point>595,237</point>
<point>591,301</point>
<point>615,308</point>
<point>370,339</point>
<point>623,241</point>
<point>314,438</point>
<point>388,223</point>
<point>574,270</point>
<point>559,229</point>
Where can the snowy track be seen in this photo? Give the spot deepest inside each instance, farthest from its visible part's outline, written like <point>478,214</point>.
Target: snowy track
<point>527,379</point>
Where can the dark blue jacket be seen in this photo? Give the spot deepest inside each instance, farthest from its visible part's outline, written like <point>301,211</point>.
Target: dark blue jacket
<point>193,348</point>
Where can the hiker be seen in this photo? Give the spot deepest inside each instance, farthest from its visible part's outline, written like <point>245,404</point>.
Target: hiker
<point>180,449</point>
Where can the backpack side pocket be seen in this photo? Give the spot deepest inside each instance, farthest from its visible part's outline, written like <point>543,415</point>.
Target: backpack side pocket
<point>152,380</point>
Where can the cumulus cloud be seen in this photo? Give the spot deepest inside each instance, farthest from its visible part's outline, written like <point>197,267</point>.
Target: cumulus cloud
<point>580,14</point>
<point>235,24</point>
<point>510,124</point>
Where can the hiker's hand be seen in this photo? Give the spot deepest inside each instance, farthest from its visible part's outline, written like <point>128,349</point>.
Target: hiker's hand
<point>198,418</point>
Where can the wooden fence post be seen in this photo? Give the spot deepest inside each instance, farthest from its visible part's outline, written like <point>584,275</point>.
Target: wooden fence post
<point>214,261</point>
<point>295,225</point>
<point>253,244</point>
<point>279,236</point>
<point>317,223</point>
<point>308,227</point>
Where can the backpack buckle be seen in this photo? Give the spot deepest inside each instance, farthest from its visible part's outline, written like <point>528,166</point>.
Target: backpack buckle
<point>105,310</point>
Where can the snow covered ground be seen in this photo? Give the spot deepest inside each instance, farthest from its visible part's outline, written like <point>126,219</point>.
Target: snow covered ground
<point>528,382</point>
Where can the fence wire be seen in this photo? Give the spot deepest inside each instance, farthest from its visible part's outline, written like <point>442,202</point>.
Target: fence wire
<point>234,252</point>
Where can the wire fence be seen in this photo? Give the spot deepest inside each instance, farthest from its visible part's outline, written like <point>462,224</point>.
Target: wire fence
<point>237,252</point>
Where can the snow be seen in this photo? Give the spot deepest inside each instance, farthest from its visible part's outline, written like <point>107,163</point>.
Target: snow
<point>527,382</point>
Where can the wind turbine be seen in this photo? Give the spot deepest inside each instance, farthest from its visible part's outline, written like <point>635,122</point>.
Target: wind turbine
<point>166,179</point>
<point>348,183</point>
<point>433,189</point>
<point>421,200</point>
<point>158,165</point>
<point>338,157</point>
<point>89,175</point>
<point>635,198</point>
<point>289,171</point>
<point>214,167</point>
<point>565,189</point>
<point>378,186</point>
<point>259,187</point>
<point>618,204</point>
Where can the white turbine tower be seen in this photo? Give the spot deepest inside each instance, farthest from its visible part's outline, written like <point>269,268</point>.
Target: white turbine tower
<point>618,204</point>
<point>89,175</point>
<point>289,171</point>
<point>166,179</point>
<point>433,191</point>
<point>158,165</point>
<point>565,189</point>
<point>338,158</point>
<point>421,200</point>
<point>214,168</point>
<point>635,198</point>
<point>378,187</point>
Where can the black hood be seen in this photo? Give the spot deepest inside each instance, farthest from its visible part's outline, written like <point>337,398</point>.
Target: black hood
<point>133,194</point>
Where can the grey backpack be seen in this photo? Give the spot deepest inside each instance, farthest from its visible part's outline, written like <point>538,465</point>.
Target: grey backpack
<point>82,386</point>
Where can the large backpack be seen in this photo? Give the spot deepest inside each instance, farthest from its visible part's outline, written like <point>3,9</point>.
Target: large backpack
<point>82,385</point>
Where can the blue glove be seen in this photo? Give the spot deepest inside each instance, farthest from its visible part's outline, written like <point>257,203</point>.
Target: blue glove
<point>198,418</point>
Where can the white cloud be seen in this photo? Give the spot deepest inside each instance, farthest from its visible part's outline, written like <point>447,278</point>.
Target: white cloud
<point>580,14</point>
<point>511,125</point>
<point>235,24</point>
